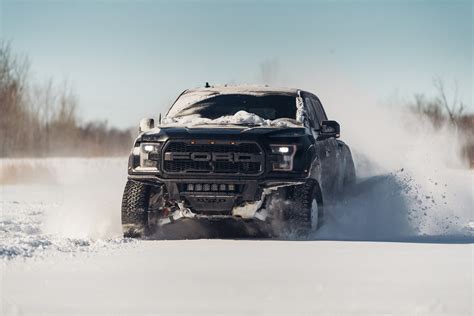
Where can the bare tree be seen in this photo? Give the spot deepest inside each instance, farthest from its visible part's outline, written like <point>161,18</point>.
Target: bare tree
<point>454,108</point>
<point>13,72</point>
<point>441,110</point>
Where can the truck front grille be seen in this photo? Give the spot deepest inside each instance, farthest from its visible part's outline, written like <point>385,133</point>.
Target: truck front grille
<point>188,157</point>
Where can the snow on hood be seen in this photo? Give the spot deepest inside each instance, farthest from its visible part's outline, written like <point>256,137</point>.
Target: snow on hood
<point>239,118</point>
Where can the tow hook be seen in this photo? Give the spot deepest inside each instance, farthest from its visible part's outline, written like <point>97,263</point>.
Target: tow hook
<point>179,214</point>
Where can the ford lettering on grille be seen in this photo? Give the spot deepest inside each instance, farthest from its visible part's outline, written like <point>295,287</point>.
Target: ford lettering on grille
<point>240,158</point>
<point>230,157</point>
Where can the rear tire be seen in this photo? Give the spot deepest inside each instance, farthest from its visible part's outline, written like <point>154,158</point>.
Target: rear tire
<point>135,202</point>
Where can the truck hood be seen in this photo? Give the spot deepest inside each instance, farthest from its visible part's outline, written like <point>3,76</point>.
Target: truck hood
<point>163,133</point>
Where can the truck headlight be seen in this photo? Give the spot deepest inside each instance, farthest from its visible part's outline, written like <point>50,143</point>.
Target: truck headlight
<point>149,157</point>
<point>283,157</point>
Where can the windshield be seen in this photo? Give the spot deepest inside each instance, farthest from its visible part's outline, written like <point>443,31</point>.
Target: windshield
<point>268,107</point>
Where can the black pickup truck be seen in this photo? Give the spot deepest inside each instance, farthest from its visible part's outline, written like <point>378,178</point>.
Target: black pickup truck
<point>244,153</point>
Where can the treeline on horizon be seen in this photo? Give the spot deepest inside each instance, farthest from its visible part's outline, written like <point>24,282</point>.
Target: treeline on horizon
<point>40,120</point>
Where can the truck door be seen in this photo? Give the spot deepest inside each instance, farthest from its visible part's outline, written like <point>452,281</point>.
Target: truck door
<point>324,147</point>
<point>334,156</point>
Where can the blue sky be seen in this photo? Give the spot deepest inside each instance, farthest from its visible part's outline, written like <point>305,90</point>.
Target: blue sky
<point>129,59</point>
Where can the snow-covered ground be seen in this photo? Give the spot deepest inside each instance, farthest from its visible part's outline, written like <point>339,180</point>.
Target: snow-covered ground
<point>204,277</point>
<point>398,244</point>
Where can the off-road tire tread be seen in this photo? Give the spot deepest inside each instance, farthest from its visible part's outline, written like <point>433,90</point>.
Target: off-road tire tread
<point>135,209</point>
<point>301,204</point>
<point>301,198</point>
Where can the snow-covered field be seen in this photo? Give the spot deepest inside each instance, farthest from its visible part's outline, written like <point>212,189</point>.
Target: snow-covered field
<point>399,244</point>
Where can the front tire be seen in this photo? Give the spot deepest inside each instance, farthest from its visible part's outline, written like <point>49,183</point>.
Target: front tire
<point>297,210</point>
<point>306,213</point>
<point>135,202</point>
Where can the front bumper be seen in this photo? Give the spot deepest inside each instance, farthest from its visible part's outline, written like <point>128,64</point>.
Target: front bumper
<point>243,203</point>
<point>249,189</point>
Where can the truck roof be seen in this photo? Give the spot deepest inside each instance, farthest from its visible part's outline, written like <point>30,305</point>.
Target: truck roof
<point>242,89</point>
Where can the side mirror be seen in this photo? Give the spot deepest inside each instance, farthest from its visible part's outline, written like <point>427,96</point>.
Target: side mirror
<point>146,124</point>
<point>330,129</point>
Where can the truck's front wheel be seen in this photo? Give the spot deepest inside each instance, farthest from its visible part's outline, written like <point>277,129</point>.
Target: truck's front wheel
<point>306,213</point>
<point>297,210</point>
<point>135,202</point>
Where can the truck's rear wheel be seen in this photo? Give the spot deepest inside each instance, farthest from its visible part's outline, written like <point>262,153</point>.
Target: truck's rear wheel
<point>135,202</point>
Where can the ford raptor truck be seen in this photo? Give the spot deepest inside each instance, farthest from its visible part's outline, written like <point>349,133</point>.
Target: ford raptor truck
<point>244,153</point>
